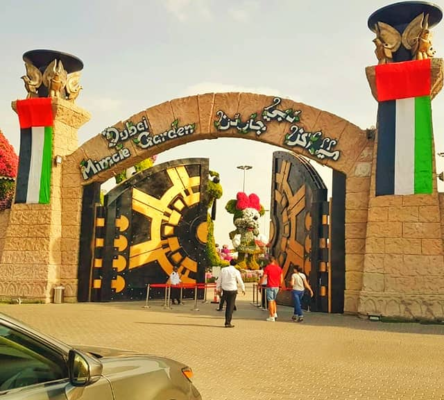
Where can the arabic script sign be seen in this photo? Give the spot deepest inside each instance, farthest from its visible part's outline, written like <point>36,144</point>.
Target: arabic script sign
<point>314,143</point>
<point>270,113</point>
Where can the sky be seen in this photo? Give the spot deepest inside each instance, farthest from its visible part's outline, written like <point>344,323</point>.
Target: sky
<point>138,54</point>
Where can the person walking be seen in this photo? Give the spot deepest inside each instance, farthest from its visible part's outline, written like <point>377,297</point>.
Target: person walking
<point>273,274</point>
<point>229,279</point>
<point>220,307</point>
<point>263,290</point>
<point>174,281</point>
<point>299,284</point>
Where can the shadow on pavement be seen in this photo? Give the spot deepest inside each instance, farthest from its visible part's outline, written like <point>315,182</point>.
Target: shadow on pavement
<point>248,311</point>
<point>178,324</point>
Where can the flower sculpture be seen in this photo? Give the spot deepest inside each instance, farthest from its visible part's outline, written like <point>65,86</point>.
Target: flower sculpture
<point>247,211</point>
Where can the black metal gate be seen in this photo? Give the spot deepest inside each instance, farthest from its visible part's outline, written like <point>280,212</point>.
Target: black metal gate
<point>300,229</point>
<point>153,221</point>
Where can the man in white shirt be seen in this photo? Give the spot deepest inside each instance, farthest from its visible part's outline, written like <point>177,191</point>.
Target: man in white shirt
<point>175,280</point>
<point>228,280</point>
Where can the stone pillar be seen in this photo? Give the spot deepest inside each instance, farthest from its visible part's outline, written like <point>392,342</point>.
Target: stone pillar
<point>403,273</point>
<point>31,261</point>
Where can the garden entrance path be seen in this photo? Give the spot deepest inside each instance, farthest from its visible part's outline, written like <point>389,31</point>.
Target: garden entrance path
<point>328,356</point>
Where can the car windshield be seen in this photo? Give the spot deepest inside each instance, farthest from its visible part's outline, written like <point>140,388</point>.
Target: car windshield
<point>26,361</point>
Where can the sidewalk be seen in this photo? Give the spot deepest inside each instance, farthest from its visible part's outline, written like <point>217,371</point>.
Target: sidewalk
<point>326,357</point>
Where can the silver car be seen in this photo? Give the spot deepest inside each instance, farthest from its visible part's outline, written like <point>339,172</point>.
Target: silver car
<point>38,367</point>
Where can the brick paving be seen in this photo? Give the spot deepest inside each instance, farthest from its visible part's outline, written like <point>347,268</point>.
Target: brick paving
<point>326,357</point>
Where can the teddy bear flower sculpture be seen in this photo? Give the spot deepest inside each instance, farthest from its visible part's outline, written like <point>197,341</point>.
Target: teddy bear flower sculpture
<point>247,211</point>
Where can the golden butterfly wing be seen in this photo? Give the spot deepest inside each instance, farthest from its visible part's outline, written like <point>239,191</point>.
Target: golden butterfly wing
<point>73,86</point>
<point>49,73</point>
<point>34,76</point>
<point>389,36</point>
<point>72,83</point>
<point>413,32</point>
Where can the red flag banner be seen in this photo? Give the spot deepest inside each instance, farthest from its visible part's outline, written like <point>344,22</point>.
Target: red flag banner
<point>403,80</point>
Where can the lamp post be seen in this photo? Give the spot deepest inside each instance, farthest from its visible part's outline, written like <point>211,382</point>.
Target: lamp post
<point>265,219</point>
<point>245,168</point>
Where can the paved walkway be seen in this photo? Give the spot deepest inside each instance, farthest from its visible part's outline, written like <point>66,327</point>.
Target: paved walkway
<point>326,357</point>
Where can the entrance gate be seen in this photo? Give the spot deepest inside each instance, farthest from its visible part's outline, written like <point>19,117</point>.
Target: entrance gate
<point>152,222</point>
<point>300,228</point>
<point>158,219</point>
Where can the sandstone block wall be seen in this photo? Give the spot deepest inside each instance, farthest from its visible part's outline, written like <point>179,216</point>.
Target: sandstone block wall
<point>32,257</point>
<point>356,210</point>
<point>4,222</point>
<point>403,263</point>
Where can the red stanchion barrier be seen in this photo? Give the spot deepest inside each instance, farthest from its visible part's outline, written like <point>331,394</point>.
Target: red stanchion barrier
<point>181,286</point>
<point>216,299</point>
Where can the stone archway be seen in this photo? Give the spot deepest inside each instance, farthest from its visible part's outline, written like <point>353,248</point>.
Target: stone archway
<point>393,246</point>
<point>394,243</point>
<point>334,142</point>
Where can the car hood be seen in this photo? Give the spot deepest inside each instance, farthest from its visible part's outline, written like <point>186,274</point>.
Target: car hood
<point>104,352</point>
<point>125,369</point>
<point>109,355</point>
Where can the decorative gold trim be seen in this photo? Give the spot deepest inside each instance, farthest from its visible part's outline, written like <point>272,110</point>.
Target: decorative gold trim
<point>97,283</point>
<point>119,263</point>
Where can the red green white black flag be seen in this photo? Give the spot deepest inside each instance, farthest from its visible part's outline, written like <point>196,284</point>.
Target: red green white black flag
<point>35,158</point>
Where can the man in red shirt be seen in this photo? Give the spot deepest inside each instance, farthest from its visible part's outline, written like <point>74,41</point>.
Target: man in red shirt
<point>273,272</point>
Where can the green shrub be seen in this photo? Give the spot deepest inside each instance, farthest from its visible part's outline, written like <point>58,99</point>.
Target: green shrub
<point>214,192</point>
<point>7,188</point>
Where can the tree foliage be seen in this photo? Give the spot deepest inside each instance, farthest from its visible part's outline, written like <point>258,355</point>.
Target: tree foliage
<point>142,166</point>
<point>214,191</point>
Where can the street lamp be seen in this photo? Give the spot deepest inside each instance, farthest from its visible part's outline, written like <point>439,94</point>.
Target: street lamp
<point>265,219</point>
<point>245,168</point>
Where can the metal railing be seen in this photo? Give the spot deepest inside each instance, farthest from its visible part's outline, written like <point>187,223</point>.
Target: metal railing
<point>182,286</point>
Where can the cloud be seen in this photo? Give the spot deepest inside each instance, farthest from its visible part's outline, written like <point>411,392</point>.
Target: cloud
<point>217,87</point>
<point>100,104</point>
<point>183,9</point>
<point>9,125</point>
<point>243,11</point>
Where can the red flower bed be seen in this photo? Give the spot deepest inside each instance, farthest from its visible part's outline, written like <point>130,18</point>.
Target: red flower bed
<point>8,169</point>
<point>8,158</point>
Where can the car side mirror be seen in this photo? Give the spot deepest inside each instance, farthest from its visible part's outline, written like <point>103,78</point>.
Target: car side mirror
<point>83,369</point>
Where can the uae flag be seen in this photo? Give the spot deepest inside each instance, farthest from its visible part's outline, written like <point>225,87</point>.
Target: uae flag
<point>35,158</point>
<point>405,154</point>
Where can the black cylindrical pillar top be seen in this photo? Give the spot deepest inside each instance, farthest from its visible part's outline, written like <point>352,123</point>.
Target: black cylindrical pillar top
<point>41,59</point>
<point>399,16</point>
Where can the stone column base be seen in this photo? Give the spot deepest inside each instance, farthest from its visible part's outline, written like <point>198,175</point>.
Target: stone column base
<point>406,307</point>
<point>351,300</point>
<point>41,291</point>
<point>38,291</point>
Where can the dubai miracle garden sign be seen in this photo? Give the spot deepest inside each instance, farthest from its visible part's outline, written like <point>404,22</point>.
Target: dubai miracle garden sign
<point>141,137</point>
<point>313,142</point>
